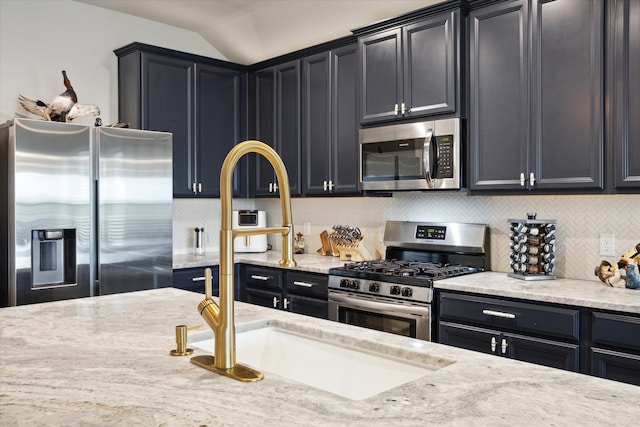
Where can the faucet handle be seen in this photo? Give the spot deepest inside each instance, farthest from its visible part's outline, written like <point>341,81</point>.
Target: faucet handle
<point>208,286</point>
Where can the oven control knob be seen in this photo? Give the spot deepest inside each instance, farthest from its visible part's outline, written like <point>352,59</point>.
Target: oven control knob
<point>394,290</point>
<point>354,284</point>
<point>344,283</point>
<point>374,287</point>
<point>407,292</point>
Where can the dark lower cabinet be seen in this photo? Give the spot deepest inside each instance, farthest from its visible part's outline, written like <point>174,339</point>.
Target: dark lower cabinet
<point>290,290</point>
<point>615,347</point>
<point>603,344</point>
<point>528,332</point>
<point>520,347</point>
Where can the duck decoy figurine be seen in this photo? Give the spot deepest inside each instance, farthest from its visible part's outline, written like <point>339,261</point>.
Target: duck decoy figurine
<point>63,108</point>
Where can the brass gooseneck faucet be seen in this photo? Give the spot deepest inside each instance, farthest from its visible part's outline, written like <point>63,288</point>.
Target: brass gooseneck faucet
<point>221,317</point>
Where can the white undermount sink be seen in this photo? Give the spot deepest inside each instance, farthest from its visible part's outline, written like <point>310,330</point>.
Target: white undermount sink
<point>329,366</point>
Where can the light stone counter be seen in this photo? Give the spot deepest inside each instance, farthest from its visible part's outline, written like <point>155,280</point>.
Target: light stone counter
<point>313,263</point>
<point>561,291</point>
<point>105,361</point>
<point>580,293</point>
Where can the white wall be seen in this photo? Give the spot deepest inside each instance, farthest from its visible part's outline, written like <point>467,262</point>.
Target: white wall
<point>40,38</point>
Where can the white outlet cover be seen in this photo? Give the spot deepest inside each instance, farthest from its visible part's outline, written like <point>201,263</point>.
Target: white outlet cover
<point>607,244</point>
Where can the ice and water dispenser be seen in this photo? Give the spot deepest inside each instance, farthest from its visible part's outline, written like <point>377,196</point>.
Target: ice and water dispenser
<point>53,257</point>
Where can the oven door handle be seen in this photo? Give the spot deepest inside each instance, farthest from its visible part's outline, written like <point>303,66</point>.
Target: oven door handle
<point>375,305</point>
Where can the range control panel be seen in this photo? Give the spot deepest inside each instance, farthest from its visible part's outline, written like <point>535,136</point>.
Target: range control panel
<point>431,232</point>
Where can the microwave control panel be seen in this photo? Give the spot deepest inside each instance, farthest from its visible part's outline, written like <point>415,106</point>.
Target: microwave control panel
<point>445,156</point>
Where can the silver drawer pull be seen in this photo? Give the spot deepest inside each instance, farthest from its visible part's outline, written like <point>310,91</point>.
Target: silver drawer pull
<point>303,284</point>
<point>258,277</point>
<point>499,314</point>
<point>198,279</point>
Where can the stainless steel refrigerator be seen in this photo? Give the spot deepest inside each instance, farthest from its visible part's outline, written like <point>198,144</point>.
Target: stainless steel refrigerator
<point>86,211</point>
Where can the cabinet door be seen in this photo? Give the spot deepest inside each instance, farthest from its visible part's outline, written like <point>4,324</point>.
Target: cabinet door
<point>316,123</point>
<point>541,352</point>
<point>278,125</point>
<point>264,298</point>
<point>614,365</point>
<point>167,105</point>
<point>381,76</point>
<point>262,172</point>
<point>567,86</point>
<point>626,93</point>
<point>307,306</point>
<point>219,102</point>
<point>468,337</point>
<point>429,58</point>
<point>499,102</point>
<point>288,121</point>
<point>344,120</point>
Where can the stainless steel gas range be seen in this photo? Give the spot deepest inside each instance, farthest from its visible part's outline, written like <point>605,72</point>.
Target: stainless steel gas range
<point>395,294</point>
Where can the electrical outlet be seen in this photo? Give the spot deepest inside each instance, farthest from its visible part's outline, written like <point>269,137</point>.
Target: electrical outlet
<point>307,228</point>
<point>607,244</point>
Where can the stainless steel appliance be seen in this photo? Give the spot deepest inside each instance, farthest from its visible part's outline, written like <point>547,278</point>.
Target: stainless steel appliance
<point>88,211</point>
<point>411,156</point>
<point>394,295</point>
<point>250,219</point>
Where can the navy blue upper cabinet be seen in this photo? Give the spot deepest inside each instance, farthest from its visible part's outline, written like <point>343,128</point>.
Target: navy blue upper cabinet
<point>201,101</point>
<point>277,123</point>
<point>536,117</point>
<point>330,122</point>
<point>411,71</point>
<point>624,89</point>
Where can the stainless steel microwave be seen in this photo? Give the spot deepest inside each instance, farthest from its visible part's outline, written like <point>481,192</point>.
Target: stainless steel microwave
<point>411,156</point>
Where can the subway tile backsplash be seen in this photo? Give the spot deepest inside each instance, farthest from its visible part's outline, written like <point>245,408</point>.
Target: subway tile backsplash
<point>580,221</point>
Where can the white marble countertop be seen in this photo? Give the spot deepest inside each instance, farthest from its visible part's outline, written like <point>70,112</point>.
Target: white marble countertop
<point>561,291</point>
<point>582,293</point>
<point>105,360</point>
<point>306,262</point>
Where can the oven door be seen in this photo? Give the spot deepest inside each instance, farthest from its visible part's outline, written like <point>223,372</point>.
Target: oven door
<point>382,314</point>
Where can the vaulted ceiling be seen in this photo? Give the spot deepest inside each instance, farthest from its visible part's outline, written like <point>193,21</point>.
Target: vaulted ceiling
<point>250,31</point>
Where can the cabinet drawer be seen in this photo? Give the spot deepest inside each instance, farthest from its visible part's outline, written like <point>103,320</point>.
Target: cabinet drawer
<point>510,315</point>
<point>263,278</point>
<point>616,330</point>
<point>307,284</point>
<point>192,279</point>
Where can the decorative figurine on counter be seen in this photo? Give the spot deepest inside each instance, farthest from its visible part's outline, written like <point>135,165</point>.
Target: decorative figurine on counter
<point>628,263</point>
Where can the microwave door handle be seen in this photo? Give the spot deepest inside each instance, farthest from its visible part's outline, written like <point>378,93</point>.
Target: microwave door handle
<point>426,158</point>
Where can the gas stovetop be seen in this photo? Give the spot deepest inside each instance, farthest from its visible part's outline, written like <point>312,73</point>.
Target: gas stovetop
<point>417,254</point>
<point>404,272</point>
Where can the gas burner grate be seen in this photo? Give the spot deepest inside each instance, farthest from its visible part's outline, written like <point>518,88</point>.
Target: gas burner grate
<point>402,268</point>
